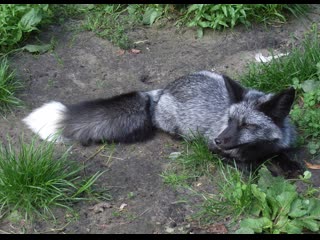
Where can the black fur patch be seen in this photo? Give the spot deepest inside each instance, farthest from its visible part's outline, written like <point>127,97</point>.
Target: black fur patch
<point>278,107</point>
<point>125,118</point>
<point>235,90</point>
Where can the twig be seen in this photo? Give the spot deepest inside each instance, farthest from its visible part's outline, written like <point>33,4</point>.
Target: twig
<point>148,209</point>
<point>92,156</point>
<point>96,153</point>
<point>55,229</point>
<point>110,156</point>
<point>141,41</point>
<point>2,231</point>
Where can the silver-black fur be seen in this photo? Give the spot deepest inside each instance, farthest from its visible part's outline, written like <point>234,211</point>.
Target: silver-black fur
<point>239,123</point>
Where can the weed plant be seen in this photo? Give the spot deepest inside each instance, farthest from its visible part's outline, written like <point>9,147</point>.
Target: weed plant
<point>18,21</point>
<point>33,180</point>
<point>9,85</point>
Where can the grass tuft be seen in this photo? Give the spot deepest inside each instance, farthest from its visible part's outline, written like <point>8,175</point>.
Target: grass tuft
<point>8,86</point>
<point>234,198</point>
<point>195,161</point>
<point>300,64</point>
<point>33,180</point>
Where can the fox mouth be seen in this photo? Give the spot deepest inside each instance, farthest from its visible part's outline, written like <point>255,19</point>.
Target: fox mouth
<point>233,146</point>
<point>248,144</point>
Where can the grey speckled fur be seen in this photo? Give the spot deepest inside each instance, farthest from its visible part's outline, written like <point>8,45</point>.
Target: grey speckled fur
<point>252,126</point>
<point>239,123</point>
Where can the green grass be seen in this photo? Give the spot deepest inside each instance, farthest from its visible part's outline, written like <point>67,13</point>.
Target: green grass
<point>33,180</point>
<point>197,158</point>
<point>221,16</point>
<point>277,207</point>
<point>112,21</point>
<point>108,22</point>
<point>234,198</point>
<point>299,65</point>
<point>300,69</point>
<point>9,85</point>
<point>18,21</point>
<point>195,161</point>
<point>175,179</point>
<point>262,203</point>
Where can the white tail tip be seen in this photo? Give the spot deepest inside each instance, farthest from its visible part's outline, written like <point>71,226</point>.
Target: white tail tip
<point>45,120</point>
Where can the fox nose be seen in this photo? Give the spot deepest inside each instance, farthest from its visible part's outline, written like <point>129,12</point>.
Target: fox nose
<point>218,141</point>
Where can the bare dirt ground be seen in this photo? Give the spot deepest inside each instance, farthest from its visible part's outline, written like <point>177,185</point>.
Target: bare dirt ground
<point>84,66</point>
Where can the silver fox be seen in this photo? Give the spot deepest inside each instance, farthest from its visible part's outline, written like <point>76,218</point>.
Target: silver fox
<point>243,124</point>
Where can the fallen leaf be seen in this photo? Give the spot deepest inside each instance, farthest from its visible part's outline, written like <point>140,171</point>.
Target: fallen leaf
<point>142,41</point>
<point>260,58</point>
<point>100,207</point>
<point>38,48</point>
<point>169,230</point>
<point>312,166</point>
<point>135,51</point>
<point>174,155</point>
<point>217,229</point>
<point>123,205</point>
<point>120,52</point>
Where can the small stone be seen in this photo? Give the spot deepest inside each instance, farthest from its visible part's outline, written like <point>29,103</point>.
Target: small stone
<point>169,230</point>
<point>173,224</point>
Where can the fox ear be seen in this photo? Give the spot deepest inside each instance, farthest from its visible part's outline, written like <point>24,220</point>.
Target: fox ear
<point>235,90</point>
<point>278,107</point>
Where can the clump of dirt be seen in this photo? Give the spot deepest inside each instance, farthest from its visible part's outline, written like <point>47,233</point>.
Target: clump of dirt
<point>84,66</point>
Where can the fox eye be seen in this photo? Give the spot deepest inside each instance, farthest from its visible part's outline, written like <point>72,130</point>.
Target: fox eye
<point>244,124</point>
<point>247,125</point>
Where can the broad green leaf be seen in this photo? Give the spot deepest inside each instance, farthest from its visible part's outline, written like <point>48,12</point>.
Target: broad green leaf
<point>193,7</point>
<point>224,9</point>
<point>285,199</point>
<point>314,208</point>
<point>261,204</point>
<point>200,32</point>
<point>292,228</point>
<point>307,175</point>
<point>221,22</point>
<point>261,196</point>
<point>256,208</point>
<point>150,16</point>
<point>274,205</point>
<point>311,224</point>
<point>310,85</point>
<point>281,222</point>
<point>266,180</point>
<point>232,13</point>
<point>207,16</point>
<point>245,230</point>
<point>298,209</point>
<point>37,48</point>
<point>30,20</point>
<point>256,224</point>
<point>204,24</point>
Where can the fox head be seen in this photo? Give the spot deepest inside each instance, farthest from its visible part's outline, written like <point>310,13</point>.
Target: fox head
<point>254,117</point>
